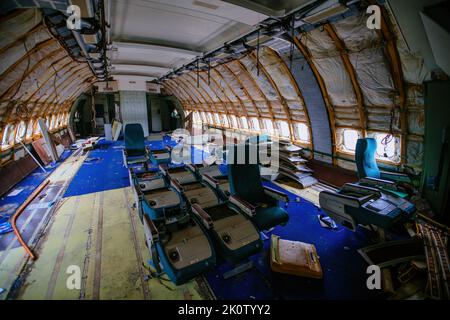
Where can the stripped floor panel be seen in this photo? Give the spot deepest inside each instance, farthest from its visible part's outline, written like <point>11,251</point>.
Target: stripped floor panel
<point>99,235</point>
<point>33,220</point>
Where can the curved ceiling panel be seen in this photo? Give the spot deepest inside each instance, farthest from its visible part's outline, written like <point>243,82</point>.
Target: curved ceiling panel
<point>341,76</point>
<point>36,72</point>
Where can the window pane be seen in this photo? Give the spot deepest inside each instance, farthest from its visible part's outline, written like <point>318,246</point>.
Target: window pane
<point>269,126</point>
<point>350,139</point>
<point>6,133</point>
<point>385,145</point>
<point>21,129</point>
<point>284,129</point>
<point>37,129</point>
<point>30,128</point>
<point>202,116</point>
<point>302,132</point>
<point>233,121</point>
<point>244,122</point>
<point>53,122</point>
<point>217,119</point>
<point>209,118</point>
<point>225,120</point>
<point>255,124</point>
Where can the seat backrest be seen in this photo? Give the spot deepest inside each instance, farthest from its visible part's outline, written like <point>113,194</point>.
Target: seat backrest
<point>245,178</point>
<point>134,139</point>
<point>365,158</point>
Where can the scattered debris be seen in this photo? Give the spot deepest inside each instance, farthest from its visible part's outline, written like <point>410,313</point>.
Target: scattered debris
<point>15,192</point>
<point>326,222</point>
<point>386,254</point>
<point>437,260</point>
<point>293,165</point>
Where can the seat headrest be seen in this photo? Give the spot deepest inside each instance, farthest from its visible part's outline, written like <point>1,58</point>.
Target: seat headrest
<point>365,158</point>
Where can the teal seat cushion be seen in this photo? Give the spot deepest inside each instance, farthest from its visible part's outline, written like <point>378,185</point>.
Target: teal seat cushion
<point>266,218</point>
<point>245,181</point>
<point>365,158</point>
<point>396,193</point>
<point>134,140</point>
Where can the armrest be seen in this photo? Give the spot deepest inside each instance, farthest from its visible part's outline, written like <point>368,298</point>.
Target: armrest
<point>138,190</point>
<point>396,176</point>
<point>379,182</point>
<point>163,168</point>
<point>355,186</point>
<point>150,229</point>
<point>278,195</point>
<point>346,200</point>
<point>210,180</point>
<point>191,167</point>
<point>248,208</point>
<point>176,185</point>
<point>206,219</point>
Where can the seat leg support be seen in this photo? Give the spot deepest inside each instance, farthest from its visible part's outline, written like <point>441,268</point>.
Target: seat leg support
<point>238,270</point>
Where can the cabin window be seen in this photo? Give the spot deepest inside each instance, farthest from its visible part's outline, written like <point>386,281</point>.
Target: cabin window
<point>52,122</point>
<point>385,145</point>
<point>349,139</point>
<point>202,116</point>
<point>196,121</point>
<point>8,136</point>
<point>225,120</point>
<point>217,119</point>
<point>233,121</point>
<point>244,123</point>
<point>209,118</point>
<point>269,126</point>
<point>37,129</point>
<point>196,117</point>
<point>47,122</point>
<point>388,146</point>
<point>21,130</point>
<point>284,129</point>
<point>30,129</point>
<point>255,124</point>
<point>301,132</point>
<point>60,120</point>
<point>57,121</point>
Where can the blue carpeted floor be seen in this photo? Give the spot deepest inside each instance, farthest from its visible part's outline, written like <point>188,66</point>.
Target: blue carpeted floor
<point>9,203</point>
<point>343,268</point>
<point>102,170</point>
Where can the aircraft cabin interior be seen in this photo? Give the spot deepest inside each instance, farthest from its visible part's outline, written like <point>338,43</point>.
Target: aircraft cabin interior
<point>224,150</point>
